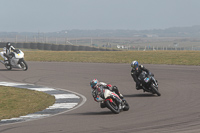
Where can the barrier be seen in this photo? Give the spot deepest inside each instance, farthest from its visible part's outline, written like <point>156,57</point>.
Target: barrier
<point>27,45</point>
<point>88,48</point>
<point>14,45</point>
<point>47,46</point>
<point>54,47</point>
<point>19,45</point>
<point>2,44</point>
<point>75,48</point>
<point>61,47</point>
<point>82,48</point>
<point>33,46</point>
<point>68,47</point>
<point>102,49</point>
<point>40,46</point>
<point>95,49</point>
<point>108,49</point>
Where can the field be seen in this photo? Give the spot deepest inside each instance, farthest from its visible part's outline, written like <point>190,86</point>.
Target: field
<point>144,57</point>
<point>16,102</point>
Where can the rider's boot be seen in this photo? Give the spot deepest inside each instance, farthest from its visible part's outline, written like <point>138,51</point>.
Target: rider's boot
<point>102,105</point>
<point>122,104</point>
<point>8,59</point>
<point>121,96</point>
<point>115,89</point>
<point>138,87</point>
<point>9,62</point>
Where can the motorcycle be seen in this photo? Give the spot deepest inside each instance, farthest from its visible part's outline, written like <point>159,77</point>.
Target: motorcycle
<point>110,100</point>
<point>149,83</point>
<point>16,60</point>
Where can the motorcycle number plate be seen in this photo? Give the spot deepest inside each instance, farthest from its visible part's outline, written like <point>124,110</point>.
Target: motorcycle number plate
<point>146,80</point>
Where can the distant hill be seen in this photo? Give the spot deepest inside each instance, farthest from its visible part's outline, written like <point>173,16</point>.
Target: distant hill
<point>193,31</point>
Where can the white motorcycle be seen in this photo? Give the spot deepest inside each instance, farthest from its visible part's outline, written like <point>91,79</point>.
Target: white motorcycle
<point>110,100</point>
<point>16,60</point>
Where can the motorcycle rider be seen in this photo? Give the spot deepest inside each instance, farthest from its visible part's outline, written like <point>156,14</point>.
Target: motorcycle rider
<point>96,91</point>
<point>136,71</point>
<point>9,49</point>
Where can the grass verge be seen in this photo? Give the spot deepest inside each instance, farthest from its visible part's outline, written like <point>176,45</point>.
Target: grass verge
<point>145,57</point>
<point>15,102</point>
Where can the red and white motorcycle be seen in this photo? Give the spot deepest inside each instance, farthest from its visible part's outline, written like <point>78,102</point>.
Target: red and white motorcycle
<point>110,100</point>
<point>16,60</point>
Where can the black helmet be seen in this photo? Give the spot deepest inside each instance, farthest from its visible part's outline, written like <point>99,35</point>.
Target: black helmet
<point>8,45</point>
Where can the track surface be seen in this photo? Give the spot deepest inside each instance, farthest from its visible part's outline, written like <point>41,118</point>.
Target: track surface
<point>176,111</point>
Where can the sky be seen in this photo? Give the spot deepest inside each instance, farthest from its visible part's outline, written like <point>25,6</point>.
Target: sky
<point>58,15</point>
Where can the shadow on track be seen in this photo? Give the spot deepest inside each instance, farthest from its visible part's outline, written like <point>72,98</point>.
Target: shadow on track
<point>140,95</point>
<point>4,70</point>
<point>95,113</point>
<point>10,70</point>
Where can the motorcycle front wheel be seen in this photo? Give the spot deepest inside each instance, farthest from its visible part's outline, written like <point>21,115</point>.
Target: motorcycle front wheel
<point>113,106</point>
<point>23,65</point>
<point>155,90</point>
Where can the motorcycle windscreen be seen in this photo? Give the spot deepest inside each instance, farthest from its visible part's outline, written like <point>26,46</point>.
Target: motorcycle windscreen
<point>19,55</point>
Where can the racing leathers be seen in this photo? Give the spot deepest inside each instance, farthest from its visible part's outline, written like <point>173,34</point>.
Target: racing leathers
<point>8,53</point>
<point>98,94</point>
<point>136,72</point>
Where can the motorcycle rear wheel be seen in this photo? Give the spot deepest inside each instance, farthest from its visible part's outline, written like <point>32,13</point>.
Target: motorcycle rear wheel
<point>126,108</point>
<point>155,90</point>
<point>9,67</point>
<point>113,106</point>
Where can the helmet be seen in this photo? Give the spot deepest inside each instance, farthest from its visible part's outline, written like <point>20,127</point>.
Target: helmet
<point>8,45</point>
<point>134,64</point>
<point>93,82</point>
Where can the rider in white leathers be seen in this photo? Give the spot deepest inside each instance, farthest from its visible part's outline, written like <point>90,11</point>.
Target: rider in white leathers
<point>95,88</point>
<point>8,54</point>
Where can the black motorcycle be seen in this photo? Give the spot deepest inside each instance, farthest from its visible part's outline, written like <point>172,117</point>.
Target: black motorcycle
<point>149,83</point>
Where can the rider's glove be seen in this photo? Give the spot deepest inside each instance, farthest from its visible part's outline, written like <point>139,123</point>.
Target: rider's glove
<point>109,85</point>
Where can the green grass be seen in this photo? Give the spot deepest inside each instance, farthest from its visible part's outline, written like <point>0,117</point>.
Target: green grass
<point>15,102</point>
<point>145,57</point>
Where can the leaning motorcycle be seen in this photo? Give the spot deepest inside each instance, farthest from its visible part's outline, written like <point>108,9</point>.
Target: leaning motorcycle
<point>111,100</point>
<point>16,60</point>
<point>149,83</point>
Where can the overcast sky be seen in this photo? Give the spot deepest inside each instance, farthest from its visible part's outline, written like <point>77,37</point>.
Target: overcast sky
<point>57,15</point>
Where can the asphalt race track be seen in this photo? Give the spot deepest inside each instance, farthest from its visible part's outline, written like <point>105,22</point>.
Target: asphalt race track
<point>177,110</point>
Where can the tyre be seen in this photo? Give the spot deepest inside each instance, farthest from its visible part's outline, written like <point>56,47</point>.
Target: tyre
<point>8,66</point>
<point>126,108</point>
<point>23,65</point>
<point>155,90</point>
<point>112,106</point>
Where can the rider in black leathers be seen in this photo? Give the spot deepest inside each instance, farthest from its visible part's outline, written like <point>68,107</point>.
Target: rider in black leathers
<point>136,71</point>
